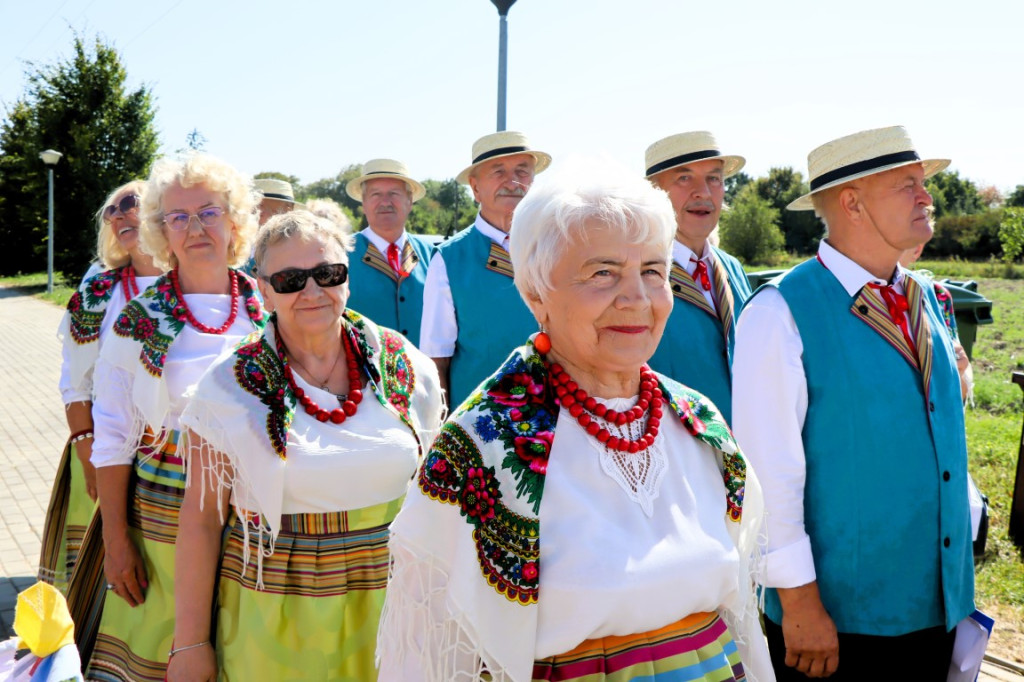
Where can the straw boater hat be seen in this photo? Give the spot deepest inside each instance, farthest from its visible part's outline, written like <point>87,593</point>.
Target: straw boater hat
<point>859,155</point>
<point>503,143</point>
<point>375,169</point>
<point>684,148</point>
<point>272,188</point>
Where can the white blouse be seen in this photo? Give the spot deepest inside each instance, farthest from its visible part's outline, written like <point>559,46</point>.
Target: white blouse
<point>114,412</point>
<point>608,567</point>
<point>72,390</point>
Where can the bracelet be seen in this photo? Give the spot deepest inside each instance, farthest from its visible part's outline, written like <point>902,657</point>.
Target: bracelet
<point>80,436</point>
<point>170,654</point>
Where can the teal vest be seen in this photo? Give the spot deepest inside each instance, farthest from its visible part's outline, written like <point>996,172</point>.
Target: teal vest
<point>491,316</point>
<point>885,502</point>
<point>376,294</point>
<point>694,351</point>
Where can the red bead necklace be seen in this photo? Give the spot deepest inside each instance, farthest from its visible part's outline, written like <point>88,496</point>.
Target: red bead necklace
<point>585,408</point>
<point>187,314</point>
<point>129,284</point>
<point>350,403</point>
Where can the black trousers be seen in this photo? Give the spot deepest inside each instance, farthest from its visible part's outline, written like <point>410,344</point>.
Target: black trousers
<point>922,655</point>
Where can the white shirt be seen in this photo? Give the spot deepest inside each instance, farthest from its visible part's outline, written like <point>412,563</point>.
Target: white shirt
<point>81,391</point>
<point>682,255</point>
<point>381,243</point>
<point>769,406</point>
<point>438,328</point>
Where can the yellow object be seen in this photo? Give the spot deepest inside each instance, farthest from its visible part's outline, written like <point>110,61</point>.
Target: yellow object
<point>42,620</point>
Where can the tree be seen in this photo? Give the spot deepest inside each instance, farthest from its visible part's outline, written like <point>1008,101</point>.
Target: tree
<point>750,230</point>
<point>1011,233</point>
<point>733,185</point>
<point>290,179</point>
<point>1016,197</point>
<point>446,208</point>
<point>334,188</point>
<point>991,197</point>
<point>953,195</point>
<point>801,229</point>
<point>82,108</point>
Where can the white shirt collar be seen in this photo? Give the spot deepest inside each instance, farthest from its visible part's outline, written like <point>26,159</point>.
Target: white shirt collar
<point>851,275</point>
<point>683,254</point>
<point>491,232</point>
<point>381,243</point>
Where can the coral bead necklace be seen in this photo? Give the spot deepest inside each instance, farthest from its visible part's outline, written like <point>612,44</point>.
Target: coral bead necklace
<point>587,411</point>
<point>187,313</point>
<point>349,403</point>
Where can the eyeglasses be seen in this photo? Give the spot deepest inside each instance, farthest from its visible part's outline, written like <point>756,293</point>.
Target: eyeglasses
<point>292,280</point>
<point>127,204</point>
<point>208,217</point>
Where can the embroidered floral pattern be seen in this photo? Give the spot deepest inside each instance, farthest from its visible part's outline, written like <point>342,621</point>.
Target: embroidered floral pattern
<point>507,543</point>
<point>88,305</point>
<point>259,371</point>
<point>399,378</point>
<point>156,317</point>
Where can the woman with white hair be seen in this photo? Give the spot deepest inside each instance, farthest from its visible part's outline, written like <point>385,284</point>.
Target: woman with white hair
<point>311,432</point>
<point>580,516</point>
<point>124,271</point>
<point>198,220</point>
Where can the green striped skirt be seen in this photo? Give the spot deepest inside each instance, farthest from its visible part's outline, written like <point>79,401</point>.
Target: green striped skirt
<point>70,511</point>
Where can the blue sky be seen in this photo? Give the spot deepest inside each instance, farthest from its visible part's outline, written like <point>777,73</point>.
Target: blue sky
<point>306,88</point>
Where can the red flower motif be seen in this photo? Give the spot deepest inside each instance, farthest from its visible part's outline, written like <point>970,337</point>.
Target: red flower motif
<point>530,571</point>
<point>534,450</point>
<point>178,312</point>
<point>516,390</point>
<point>144,329</point>
<point>479,494</point>
<point>99,286</point>
<point>75,304</point>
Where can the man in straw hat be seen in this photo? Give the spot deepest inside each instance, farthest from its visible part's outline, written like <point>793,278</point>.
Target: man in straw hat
<point>846,399</point>
<point>473,315</point>
<point>388,265</point>
<point>278,197</point>
<point>709,285</point>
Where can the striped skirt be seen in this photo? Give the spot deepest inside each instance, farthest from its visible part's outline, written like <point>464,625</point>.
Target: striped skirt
<point>133,643</point>
<point>699,647</point>
<point>316,615</point>
<point>70,511</point>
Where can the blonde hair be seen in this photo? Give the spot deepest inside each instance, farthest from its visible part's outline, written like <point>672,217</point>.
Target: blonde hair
<point>332,210</point>
<point>109,251</point>
<point>302,225</point>
<point>215,175</point>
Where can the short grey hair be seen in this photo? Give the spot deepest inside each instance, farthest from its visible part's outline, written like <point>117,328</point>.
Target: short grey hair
<point>303,225</point>
<point>559,206</point>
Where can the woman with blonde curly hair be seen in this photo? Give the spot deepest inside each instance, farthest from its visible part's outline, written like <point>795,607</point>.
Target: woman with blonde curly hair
<point>91,312</point>
<point>198,220</point>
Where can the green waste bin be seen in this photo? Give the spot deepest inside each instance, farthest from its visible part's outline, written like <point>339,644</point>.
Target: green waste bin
<point>971,310</point>
<point>758,278</point>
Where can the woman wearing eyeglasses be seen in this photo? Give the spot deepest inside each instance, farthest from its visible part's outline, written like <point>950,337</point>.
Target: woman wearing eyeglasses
<point>198,219</point>
<point>312,431</point>
<point>124,271</point>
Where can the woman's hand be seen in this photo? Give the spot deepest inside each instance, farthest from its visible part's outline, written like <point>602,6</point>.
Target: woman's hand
<point>124,569</point>
<point>83,449</point>
<point>193,665</point>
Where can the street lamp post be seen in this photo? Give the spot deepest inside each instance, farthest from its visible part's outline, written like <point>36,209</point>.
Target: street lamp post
<point>503,8</point>
<point>50,157</point>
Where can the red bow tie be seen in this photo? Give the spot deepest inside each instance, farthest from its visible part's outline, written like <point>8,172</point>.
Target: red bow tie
<point>898,307</point>
<point>700,274</point>
<point>394,260</point>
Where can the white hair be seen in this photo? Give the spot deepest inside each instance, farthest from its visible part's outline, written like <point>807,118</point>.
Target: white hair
<point>561,204</point>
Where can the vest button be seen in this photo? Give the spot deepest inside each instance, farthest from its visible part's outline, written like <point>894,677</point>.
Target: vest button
<point>945,475</point>
<point>405,332</point>
<point>931,406</point>
<point>676,287</point>
<point>945,543</point>
<point>494,262</point>
<point>401,299</point>
<point>367,259</point>
<point>863,309</point>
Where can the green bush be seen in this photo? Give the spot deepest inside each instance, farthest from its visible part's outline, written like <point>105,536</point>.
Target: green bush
<point>1011,233</point>
<point>750,228</point>
<point>972,237</point>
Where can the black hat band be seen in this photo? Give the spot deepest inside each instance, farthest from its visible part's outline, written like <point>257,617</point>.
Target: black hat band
<point>861,167</point>
<point>683,158</point>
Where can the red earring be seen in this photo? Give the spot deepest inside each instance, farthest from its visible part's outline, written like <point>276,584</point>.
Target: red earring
<point>542,342</point>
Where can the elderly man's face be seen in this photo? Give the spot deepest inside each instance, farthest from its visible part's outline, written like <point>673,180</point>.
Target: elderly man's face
<point>696,191</point>
<point>609,302</point>
<point>386,203</point>
<point>272,207</point>
<point>500,184</point>
<point>896,204</point>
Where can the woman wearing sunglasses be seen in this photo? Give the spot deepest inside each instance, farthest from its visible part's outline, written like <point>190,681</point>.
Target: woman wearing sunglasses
<point>311,431</point>
<point>123,271</point>
<point>198,219</point>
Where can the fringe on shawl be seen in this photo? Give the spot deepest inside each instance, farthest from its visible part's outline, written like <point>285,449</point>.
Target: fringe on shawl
<point>419,634</point>
<point>119,382</point>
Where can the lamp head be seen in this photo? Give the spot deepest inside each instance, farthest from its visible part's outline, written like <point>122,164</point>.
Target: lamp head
<point>50,157</point>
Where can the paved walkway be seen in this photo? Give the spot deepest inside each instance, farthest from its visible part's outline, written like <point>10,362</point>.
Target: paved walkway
<point>32,432</point>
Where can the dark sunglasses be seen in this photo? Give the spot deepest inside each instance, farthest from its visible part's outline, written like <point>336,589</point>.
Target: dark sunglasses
<point>127,203</point>
<point>292,280</point>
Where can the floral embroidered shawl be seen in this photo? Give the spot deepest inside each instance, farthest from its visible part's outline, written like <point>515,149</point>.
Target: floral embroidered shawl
<point>489,463</point>
<point>85,312</point>
<point>145,331</point>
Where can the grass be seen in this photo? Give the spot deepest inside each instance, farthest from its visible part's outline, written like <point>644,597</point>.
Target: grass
<point>36,283</point>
